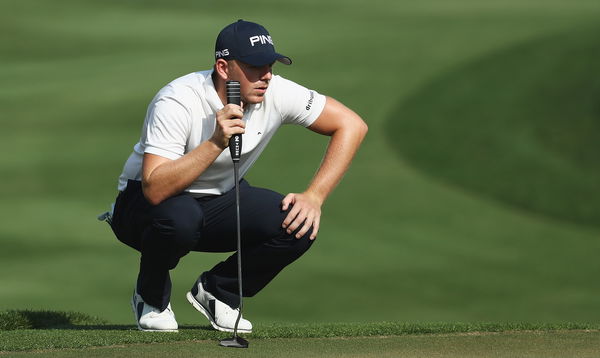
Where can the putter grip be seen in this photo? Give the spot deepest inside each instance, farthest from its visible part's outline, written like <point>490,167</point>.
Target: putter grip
<point>233,97</point>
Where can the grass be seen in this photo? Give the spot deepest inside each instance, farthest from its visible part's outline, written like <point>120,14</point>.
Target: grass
<point>402,242</point>
<point>519,344</point>
<point>530,141</point>
<point>29,319</point>
<point>48,331</point>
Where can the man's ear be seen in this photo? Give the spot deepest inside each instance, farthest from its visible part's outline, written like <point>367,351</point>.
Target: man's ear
<point>222,69</point>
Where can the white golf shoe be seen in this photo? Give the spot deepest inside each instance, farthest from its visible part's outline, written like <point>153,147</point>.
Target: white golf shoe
<point>221,316</point>
<point>151,319</point>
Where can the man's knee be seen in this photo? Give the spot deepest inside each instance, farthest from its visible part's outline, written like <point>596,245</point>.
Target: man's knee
<point>296,247</point>
<point>178,221</point>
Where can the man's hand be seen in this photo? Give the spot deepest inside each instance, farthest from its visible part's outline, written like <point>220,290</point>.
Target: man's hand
<point>306,211</point>
<point>229,122</point>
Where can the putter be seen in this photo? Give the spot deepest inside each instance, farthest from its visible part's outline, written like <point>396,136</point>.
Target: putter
<point>235,147</point>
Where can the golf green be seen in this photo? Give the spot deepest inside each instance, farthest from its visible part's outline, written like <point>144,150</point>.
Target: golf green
<point>513,344</point>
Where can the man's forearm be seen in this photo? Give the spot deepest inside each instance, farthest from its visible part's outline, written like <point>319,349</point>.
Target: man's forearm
<point>341,149</point>
<point>171,177</point>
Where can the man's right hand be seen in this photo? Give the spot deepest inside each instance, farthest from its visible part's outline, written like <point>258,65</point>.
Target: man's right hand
<point>229,122</point>
<point>163,177</point>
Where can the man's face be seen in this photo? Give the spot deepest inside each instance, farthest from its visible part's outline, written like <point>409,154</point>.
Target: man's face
<point>254,80</point>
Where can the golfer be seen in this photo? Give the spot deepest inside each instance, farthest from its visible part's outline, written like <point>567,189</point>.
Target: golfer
<point>175,191</point>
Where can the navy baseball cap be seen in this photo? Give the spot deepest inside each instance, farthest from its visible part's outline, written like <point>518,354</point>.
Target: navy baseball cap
<point>247,42</point>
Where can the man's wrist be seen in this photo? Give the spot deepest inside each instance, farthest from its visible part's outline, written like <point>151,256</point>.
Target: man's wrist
<point>216,144</point>
<point>315,195</point>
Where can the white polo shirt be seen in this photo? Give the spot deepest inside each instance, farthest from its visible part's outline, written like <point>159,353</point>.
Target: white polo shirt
<point>183,114</point>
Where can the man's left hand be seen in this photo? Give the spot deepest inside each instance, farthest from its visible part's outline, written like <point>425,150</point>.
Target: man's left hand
<point>305,212</point>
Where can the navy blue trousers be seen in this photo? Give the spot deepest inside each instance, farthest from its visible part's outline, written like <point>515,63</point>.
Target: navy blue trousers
<point>166,232</point>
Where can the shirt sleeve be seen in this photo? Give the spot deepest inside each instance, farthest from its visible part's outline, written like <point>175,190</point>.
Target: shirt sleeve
<point>167,129</point>
<point>298,104</point>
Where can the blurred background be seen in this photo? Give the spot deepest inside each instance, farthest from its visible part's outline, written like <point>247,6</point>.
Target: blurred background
<point>475,197</point>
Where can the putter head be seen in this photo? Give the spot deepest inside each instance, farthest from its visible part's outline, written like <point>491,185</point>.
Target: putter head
<point>234,342</point>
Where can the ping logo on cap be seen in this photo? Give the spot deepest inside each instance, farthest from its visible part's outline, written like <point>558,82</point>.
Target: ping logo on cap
<point>263,39</point>
<point>222,53</point>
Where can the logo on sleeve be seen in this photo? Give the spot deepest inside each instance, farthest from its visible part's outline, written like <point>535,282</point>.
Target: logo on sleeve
<point>310,100</point>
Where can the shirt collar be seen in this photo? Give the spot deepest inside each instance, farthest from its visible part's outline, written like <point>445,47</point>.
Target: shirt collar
<point>211,93</point>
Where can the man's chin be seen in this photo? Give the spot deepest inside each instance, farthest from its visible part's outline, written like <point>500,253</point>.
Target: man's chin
<point>254,99</point>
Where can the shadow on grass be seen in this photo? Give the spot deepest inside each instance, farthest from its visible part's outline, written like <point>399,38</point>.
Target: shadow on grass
<point>119,327</point>
<point>27,319</point>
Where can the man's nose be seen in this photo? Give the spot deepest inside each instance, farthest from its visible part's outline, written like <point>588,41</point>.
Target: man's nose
<point>267,73</point>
